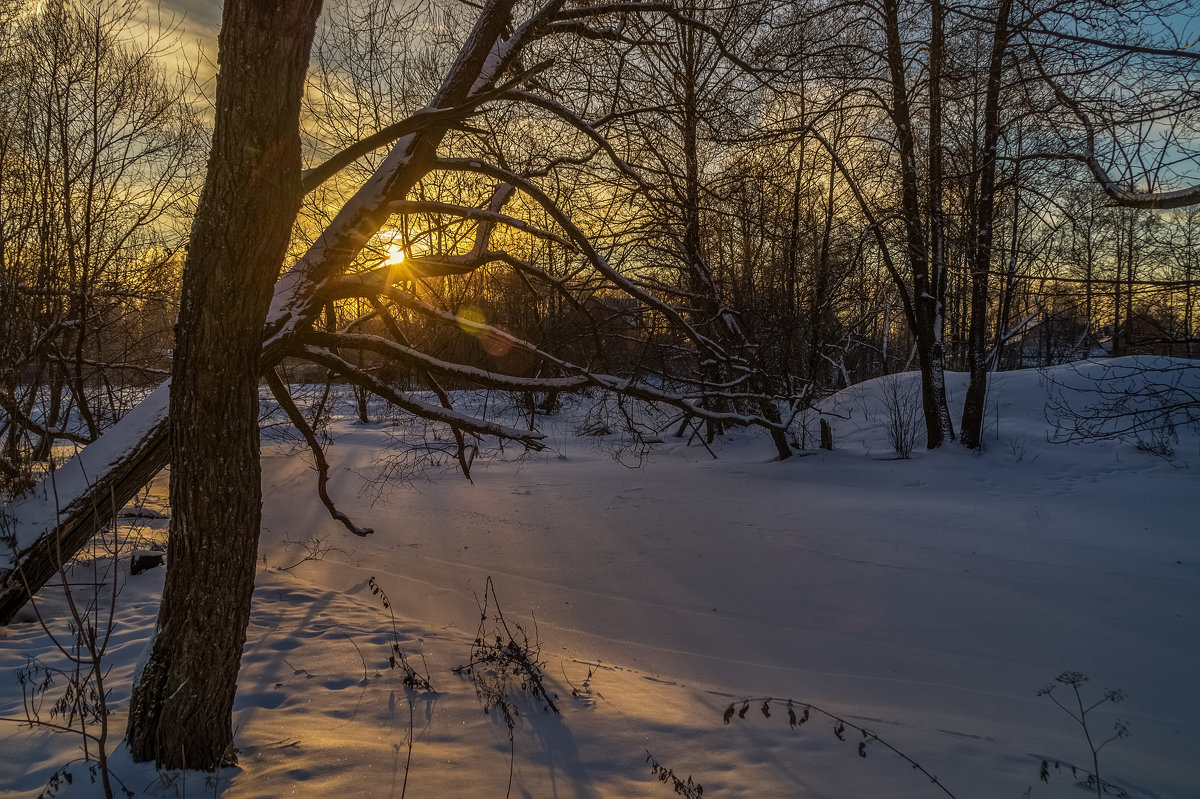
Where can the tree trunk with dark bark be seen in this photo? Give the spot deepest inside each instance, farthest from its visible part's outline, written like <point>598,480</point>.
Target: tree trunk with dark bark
<point>181,710</point>
<point>927,283</point>
<point>981,256</point>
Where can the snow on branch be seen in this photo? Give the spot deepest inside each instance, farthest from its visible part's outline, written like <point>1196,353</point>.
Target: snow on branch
<point>691,402</point>
<point>414,357</point>
<point>454,418</point>
<point>505,50</point>
<point>296,301</point>
<point>72,484</point>
<point>1179,198</point>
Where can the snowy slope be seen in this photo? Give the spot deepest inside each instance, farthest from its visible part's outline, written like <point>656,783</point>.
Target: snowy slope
<point>926,599</point>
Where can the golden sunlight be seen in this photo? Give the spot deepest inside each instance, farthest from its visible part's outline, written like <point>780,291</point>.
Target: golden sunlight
<point>471,319</point>
<point>395,255</point>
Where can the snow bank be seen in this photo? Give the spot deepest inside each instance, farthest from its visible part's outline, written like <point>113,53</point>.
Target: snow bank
<point>926,599</point>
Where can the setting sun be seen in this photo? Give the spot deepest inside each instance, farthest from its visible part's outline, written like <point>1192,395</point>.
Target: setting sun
<point>395,255</point>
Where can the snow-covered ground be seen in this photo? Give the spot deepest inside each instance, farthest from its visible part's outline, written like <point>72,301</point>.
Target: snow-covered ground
<point>927,600</point>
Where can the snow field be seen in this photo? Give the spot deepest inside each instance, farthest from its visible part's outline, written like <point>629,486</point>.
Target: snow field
<point>925,599</point>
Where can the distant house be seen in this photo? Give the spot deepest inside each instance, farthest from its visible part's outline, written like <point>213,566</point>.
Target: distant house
<point>1144,335</point>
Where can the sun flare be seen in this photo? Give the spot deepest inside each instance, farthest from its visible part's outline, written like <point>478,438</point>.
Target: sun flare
<point>395,255</point>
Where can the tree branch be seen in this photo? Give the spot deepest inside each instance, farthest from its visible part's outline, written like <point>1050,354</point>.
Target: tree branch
<point>529,439</point>
<point>284,398</point>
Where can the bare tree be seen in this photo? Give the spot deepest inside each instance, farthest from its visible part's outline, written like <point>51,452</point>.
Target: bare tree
<point>232,329</point>
<point>437,198</point>
<point>96,147</point>
<point>181,706</point>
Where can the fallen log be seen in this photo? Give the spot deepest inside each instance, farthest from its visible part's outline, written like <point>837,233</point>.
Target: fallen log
<point>48,524</point>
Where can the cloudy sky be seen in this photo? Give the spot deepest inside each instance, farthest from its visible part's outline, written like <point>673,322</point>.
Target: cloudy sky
<point>199,17</point>
<point>196,23</point>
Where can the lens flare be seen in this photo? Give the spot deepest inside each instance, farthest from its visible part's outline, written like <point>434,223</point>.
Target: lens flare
<point>469,318</point>
<point>493,342</point>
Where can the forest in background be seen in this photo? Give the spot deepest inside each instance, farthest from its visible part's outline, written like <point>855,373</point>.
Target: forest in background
<point>795,197</point>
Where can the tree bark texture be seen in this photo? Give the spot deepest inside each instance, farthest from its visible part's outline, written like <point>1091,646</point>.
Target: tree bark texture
<point>181,710</point>
<point>981,256</point>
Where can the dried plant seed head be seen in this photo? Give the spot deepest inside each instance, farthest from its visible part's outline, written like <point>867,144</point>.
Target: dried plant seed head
<point>1074,678</point>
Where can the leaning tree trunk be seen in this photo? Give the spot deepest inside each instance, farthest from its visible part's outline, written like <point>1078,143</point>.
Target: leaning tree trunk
<point>181,710</point>
<point>49,524</point>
